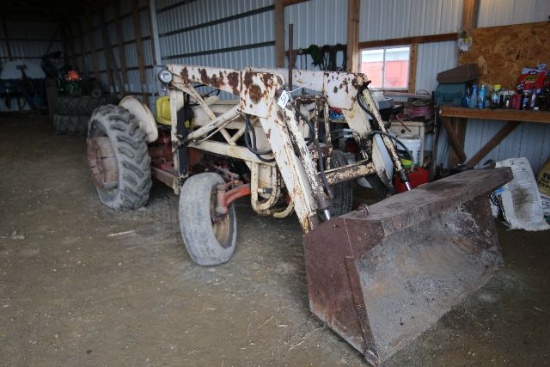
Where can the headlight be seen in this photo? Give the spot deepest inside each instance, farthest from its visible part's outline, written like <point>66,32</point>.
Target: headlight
<point>165,76</point>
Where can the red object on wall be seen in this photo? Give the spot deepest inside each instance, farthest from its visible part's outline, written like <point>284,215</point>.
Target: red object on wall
<point>417,177</point>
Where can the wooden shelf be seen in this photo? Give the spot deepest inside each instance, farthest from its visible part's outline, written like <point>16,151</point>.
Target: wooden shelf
<point>496,114</point>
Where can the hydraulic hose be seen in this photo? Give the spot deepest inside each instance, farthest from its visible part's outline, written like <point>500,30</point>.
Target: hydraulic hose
<point>398,166</point>
<point>252,145</point>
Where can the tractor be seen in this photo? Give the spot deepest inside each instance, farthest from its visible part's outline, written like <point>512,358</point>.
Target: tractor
<point>379,275</point>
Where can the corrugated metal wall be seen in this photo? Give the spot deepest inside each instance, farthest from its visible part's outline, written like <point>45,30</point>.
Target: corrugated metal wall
<point>386,19</point>
<point>232,34</point>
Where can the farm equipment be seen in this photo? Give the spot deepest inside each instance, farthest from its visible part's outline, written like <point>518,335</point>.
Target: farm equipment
<point>378,276</point>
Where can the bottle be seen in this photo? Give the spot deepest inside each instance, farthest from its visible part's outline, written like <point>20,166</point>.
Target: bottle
<point>467,96</point>
<point>482,96</point>
<point>495,96</point>
<point>473,98</point>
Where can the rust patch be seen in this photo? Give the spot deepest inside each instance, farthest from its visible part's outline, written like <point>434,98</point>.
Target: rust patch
<point>355,82</point>
<point>248,80</point>
<point>233,79</point>
<point>185,75</point>
<point>255,93</point>
<point>204,76</point>
<point>344,84</point>
<point>216,81</point>
<point>268,80</point>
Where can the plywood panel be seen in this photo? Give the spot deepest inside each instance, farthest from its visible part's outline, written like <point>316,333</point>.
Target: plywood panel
<point>501,52</point>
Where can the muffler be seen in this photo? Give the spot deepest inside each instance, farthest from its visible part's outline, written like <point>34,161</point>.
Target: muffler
<point>381,277</point>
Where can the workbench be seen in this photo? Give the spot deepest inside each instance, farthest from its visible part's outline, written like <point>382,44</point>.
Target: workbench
<point>455,120</point>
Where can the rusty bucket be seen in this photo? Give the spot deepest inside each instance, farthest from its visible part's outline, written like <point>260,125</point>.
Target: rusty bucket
<point>380,278</point>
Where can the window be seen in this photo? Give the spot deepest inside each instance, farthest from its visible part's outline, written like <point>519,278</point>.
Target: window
<point>388,67</point>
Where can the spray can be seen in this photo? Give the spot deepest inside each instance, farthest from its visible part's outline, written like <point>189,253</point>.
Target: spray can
<point>482,96</point>
<point>473,98</point>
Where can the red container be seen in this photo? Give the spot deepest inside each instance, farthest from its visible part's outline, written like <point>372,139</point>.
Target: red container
<point>417,177</point>
<point>515,103</point>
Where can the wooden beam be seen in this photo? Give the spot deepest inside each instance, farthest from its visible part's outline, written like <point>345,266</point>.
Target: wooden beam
<point>91,40</point>
<point>292,2</point>
<point>151,23</point>
<point>491,144</point>
<point>409,40</point>
<point>456,138</point>
<point>279,33</point>
<point>138,31</point>
<point>353,36</point>
<point>120,44</point>
<point>470,14</point>
<point>107,48</point>
<point>413,62</point>
<point>68,40</point>
<point>81,41</point>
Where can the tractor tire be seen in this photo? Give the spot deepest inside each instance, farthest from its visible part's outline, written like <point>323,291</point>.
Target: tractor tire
<point>206,241</point>
<point>342,200</point>
<point>81,106</point>
<point>70,124</point>
<point>119,159</point>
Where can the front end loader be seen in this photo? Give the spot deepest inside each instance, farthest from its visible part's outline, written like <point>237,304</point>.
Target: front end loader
<point>378,276</point>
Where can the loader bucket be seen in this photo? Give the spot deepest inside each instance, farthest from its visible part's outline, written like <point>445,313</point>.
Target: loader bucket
<point>380,279</point>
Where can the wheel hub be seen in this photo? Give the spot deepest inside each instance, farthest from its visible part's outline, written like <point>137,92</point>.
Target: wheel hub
<point>103,162</point>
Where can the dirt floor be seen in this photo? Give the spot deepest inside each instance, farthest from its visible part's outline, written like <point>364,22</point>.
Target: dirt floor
<point>81,285</point>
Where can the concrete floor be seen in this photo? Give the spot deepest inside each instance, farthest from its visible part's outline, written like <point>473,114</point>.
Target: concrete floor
<point>81,285</point>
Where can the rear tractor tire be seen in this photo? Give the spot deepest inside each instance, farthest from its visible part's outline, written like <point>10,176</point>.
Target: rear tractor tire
<point>210,239</point>
<point>119,160</point>
<point>70,124</point>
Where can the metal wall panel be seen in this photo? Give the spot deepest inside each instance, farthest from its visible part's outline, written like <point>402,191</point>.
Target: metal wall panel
<point>387,19</point>
<point>432,59</point>
<point>184,39</point>
<point>318,22</point>
<point>29,40</point>
<point>505,12</point>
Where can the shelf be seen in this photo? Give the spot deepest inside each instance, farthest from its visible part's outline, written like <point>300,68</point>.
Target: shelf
<point>496,114</point>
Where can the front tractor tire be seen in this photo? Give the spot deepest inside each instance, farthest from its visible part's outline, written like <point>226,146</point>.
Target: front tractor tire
<point>118,158</point>
<point>210,239</point>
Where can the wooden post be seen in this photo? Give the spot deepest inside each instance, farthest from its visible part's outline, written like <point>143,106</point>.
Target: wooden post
<point>353,36</point>
<point>80,40</point>
<point>107,48</point>
<point>91,39</point>
<point>413,62</point>
<point>470,14</point>
<point>120,44</point>
<point>69,39</point>
<point>139,45</point>
<point>279,33</point>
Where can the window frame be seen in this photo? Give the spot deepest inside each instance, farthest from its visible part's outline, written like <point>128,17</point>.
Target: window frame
<point>384,49</point>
